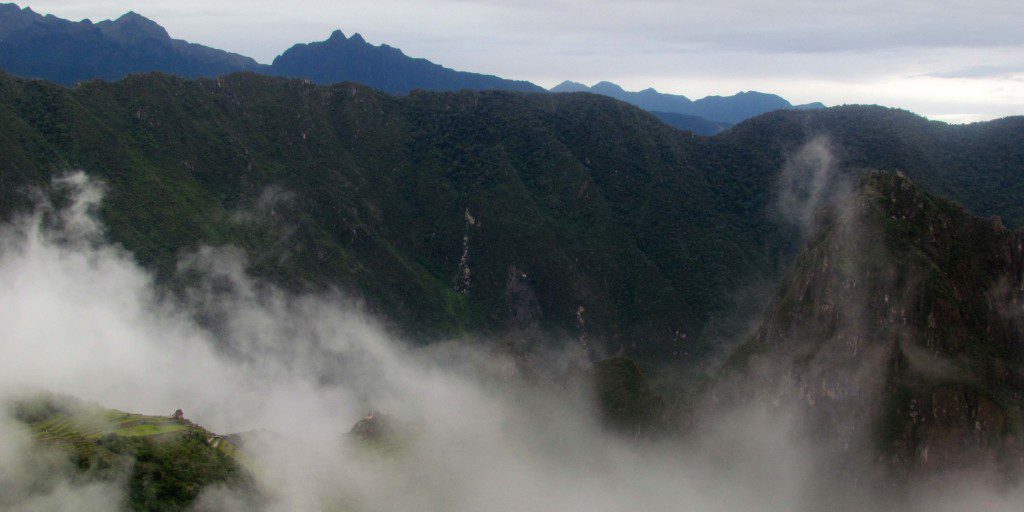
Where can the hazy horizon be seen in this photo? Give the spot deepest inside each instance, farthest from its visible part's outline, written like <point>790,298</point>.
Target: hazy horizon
<point>957,62</point>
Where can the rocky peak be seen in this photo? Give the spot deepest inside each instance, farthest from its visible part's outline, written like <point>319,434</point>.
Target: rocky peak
<point>14,18</point>
<point>337,36</point>
<point>607,88</point>
<point>9,10</point>
<point>569,86</point>
<point>133,27</point>
<point>898,333</point>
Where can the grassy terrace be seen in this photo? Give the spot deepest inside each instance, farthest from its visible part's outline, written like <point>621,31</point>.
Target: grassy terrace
<point>82,429</point>
<point>93,426</point>
<point>164,462</point>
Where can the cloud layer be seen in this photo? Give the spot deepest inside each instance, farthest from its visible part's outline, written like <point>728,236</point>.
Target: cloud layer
<point>78,316</point>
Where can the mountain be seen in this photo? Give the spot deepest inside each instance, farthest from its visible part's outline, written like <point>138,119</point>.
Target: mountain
<point>67,52</point>
<point>809,106</point>
<point>716,109</point>
<point>899,329</point>
<point>741,106</point>
<point>569,215</point>
<point>352,59</point>
<point>648,99</point>
<point>697,125</point>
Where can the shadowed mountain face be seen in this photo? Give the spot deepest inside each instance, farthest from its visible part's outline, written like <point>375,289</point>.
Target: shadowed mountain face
<point>66,52</point>
<point>571,215</point>
<point>716,109</point>
<point>900,329</point>
<point>697,125</point>
<point>341,59</point>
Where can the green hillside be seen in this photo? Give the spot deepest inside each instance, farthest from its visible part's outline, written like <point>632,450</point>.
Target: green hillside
<point>570,215</point>
<point>164,461</point>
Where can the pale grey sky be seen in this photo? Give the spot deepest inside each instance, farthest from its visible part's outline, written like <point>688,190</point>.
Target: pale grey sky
<point>947,59</point>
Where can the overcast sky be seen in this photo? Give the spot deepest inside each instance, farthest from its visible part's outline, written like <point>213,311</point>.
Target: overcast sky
<point>950,60</point>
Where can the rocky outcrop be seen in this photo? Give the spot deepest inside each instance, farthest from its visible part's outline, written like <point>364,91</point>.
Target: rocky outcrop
<point>899,331</point>
<point>523,307</point>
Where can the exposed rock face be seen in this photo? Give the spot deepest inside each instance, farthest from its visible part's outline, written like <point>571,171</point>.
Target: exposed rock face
<point>524,309</point>
<point>899,331</point>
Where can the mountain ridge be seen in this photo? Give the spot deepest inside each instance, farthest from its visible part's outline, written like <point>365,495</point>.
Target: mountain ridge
<point>634,245</point>
<point>67,52</point>
<point>716,109</point>
<point>352,59</point>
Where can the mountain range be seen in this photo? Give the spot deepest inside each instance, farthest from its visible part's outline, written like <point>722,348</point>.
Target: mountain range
<point>857,269</point>
<point>494,212</point>
<point>67,52</point>
<point>718,109</point>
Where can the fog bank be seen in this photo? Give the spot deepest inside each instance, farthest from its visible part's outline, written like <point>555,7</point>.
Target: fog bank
<point>78,316</point>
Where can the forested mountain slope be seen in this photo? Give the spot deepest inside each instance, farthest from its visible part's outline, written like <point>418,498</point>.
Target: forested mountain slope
<point>573,215</point>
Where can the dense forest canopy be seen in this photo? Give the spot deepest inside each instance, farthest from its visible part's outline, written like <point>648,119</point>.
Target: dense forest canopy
<point>488,212</point>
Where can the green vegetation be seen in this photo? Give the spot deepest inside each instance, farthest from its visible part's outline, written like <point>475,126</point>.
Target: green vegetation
<point>601,209</point>
<point>166,462</point>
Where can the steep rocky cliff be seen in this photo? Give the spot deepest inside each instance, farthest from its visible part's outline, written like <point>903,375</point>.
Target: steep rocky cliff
<point>900,331</point>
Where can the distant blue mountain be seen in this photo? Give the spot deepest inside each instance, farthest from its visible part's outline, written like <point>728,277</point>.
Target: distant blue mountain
<point>717,109</point>
<point>352,59</point>
<point>695,124</point>
<point>66,52</point>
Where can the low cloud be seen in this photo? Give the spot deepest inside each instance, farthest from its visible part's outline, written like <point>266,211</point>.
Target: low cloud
<point>38,479</point>
<point>809,181</point>
<point>82,318</point>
